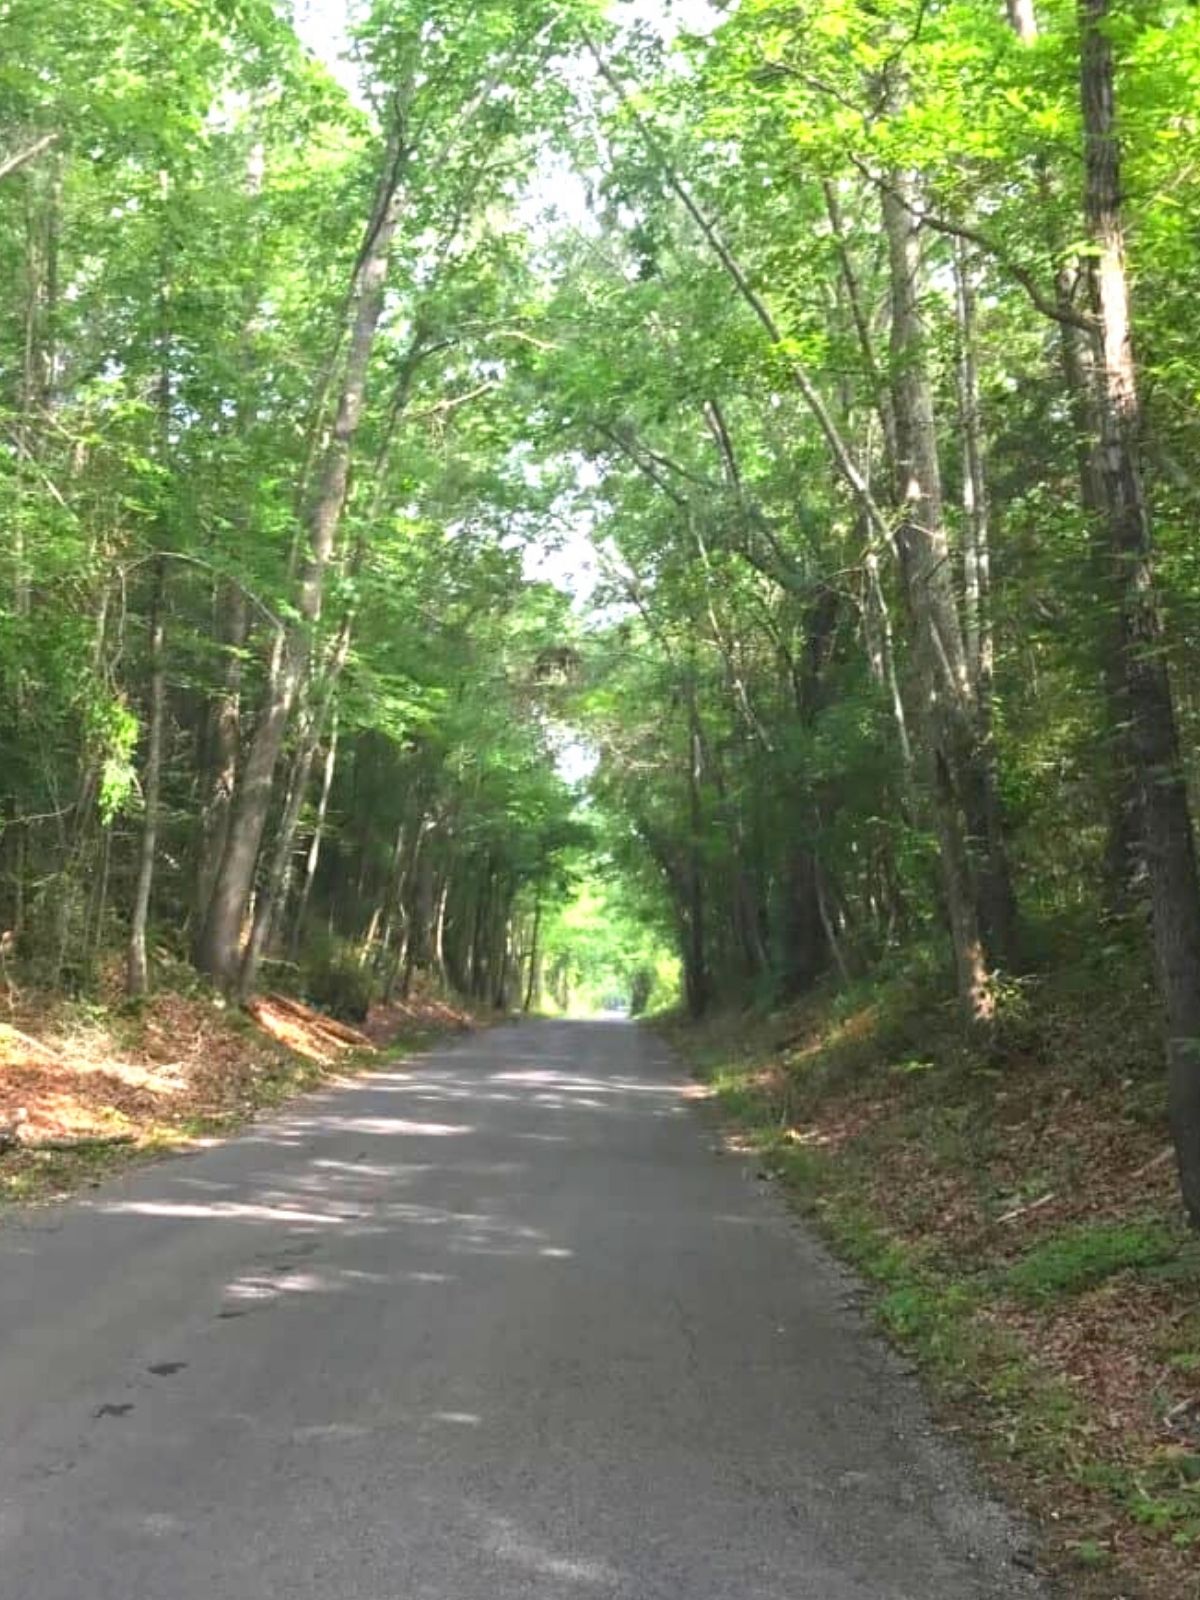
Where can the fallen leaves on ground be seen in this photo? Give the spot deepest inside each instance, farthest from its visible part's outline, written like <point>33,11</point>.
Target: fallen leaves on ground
<point>973,1161</point>
<point>175,1067</point>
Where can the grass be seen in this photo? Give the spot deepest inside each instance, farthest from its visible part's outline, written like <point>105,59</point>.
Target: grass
<point>1082,1257</point>
<point>1013,1208</point>
<point>34,1175</point>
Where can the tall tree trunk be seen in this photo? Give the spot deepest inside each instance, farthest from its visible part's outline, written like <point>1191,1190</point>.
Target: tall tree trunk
<point>924,559</point>
<point>531,985</point>
<point>223,732</point>
<point>977,631</point>
<point>477,956</point>
<point>959,784</point>
<point>984,811</point>
<point>502,963</point>
<point>695,959</point>
<point>221,939</point>
<point>222,746</point>
<point>313,855</point>
<point>1023,17</point>
<point>136,971</point>
<point>439,933</point>
<point>269,901</point>
<point>137,976</point>
<point>1168,842</point>
<point>270,890</point>
<point>1081,376</point>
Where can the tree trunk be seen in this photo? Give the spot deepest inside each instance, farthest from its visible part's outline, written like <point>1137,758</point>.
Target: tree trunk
<point>439,933</point>
<point>477,959</point>
<point>959,783</point>
<point>1080,367</point>
<point>985,818</point>
<point>269,896</point>
<point>222,744</point>
<point>313,856</point>
<point>976,563</point>
<point>502,964</point>
<point>137,972</point>
<point>1022,16</point>
<point>924,560</point>
<point>1082,378</point>
<point>219,948</point>
<point>1168,842</point>
<point>534,958</point>
<point>221,938</point>
<point>268,903</point>
<point>694,956</point>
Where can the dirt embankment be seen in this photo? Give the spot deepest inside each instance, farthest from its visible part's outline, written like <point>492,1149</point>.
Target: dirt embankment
<point>85,1086</point>
<point>1017,1207</point>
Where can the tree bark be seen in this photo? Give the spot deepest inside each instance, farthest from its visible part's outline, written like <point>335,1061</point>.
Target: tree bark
<point>976,554</point>
<point>222,747</point>
<point>137,973</point>
<point>1080,368</point>
<point>1168,841</point>
<point>439,933</point>
<point>313,855</point>
<point>984,811</point>
<point>137,970</point>
<point>945,690</point>
<point>695,963</point>
<point>534,958</point>
<point>269,901</point>
<point>1081,374</point>
<point>1023,17</point>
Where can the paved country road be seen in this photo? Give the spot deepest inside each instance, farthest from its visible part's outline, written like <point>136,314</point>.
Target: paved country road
<point>499,1325</point>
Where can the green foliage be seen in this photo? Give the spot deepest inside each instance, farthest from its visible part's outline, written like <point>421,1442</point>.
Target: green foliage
<point>113,734</point>
<point>336,979</point>
<point>603,951</point>
<point>1084,1257</point>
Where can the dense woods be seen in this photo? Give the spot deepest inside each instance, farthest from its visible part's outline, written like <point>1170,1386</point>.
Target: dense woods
<point>856,344</point>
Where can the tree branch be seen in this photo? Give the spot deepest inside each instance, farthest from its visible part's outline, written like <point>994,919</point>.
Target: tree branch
<point>1046,304</point>
<point>14,163</point>
<point>854,479</point>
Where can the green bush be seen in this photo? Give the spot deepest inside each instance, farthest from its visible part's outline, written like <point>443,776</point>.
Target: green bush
<point>334,979</point>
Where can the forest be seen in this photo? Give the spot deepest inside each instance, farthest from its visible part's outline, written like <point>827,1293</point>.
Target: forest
<point>734,465</point>
<point>684,508</point>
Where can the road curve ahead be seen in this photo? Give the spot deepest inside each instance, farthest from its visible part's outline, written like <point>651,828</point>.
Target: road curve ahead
<point>500,1324</point>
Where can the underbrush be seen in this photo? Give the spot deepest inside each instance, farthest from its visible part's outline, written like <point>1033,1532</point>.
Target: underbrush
<point>89,1085</point>
<point>1013,1201</point>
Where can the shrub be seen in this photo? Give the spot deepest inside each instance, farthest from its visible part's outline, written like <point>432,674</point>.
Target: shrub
<point>333,978</point>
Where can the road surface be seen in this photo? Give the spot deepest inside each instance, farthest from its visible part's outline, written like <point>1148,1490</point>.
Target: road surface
<point>502,1324</point>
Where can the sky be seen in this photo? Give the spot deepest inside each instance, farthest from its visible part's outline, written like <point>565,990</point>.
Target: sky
<point>322,24</point>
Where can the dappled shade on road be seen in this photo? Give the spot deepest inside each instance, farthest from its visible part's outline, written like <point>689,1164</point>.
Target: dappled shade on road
<point>503,1326</point>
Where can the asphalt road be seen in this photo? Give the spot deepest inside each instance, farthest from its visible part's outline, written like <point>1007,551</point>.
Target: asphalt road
<point>504,1325</point>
